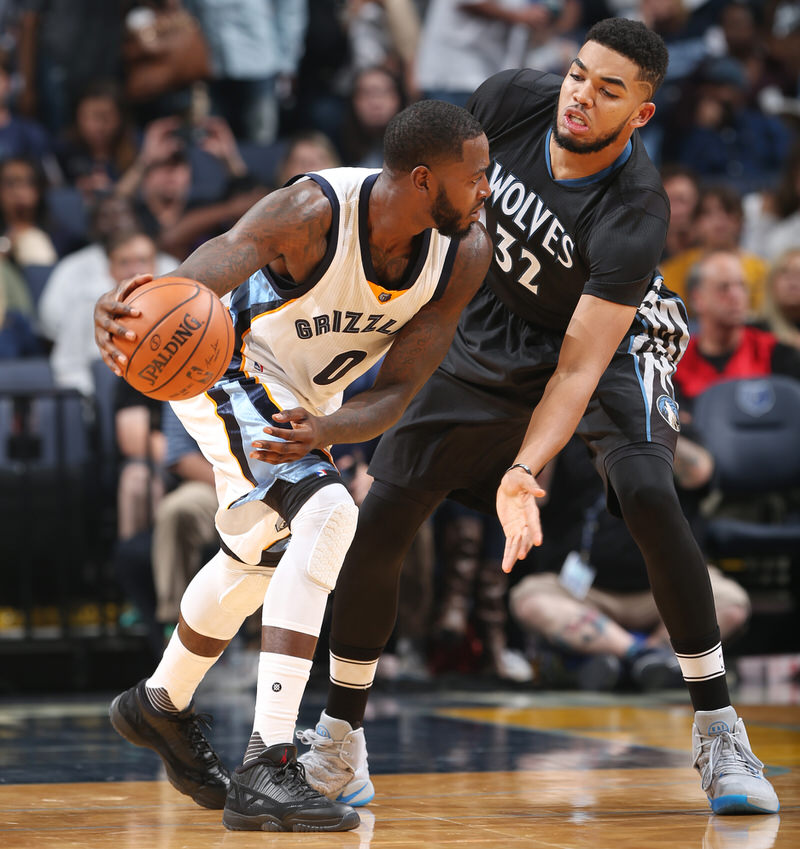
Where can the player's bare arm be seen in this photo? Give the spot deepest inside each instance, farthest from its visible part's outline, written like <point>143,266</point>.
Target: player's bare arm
<point>594,332</point>
<point>415,352</point>
<point>287,229</point>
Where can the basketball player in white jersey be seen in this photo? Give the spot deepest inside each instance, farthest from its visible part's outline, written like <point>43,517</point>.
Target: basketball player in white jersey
<point>327,275</point>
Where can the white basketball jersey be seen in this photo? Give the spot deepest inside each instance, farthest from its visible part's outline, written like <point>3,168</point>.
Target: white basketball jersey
<point>318,336</point>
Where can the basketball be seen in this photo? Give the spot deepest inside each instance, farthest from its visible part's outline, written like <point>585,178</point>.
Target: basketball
<point>184,339</point>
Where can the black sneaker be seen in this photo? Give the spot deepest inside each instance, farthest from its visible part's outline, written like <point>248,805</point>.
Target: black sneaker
<point>193,767</point>
<point>271,793</point>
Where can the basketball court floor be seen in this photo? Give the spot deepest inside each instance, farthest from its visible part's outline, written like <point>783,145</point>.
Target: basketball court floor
<point>473,769</point>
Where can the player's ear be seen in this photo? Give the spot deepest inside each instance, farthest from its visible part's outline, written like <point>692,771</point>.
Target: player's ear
<point>421,178</point>
<point>644,114</point>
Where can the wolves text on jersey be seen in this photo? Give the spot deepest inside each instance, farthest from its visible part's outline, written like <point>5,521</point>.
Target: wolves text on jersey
<point>529,213</point>
<point>343,322</point>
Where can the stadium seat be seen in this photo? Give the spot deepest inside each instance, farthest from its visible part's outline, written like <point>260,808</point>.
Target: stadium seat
<point>751,427</point>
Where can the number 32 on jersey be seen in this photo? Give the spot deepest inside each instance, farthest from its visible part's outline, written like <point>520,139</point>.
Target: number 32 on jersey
<point>504,251</point>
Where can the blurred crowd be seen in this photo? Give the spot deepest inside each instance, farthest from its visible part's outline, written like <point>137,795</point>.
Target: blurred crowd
<point>132,131</point>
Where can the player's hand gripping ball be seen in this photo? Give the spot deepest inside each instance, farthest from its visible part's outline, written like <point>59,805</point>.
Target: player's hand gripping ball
<point>184,339</point>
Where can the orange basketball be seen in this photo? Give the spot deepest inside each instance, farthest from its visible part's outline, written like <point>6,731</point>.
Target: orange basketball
<point>184,339</point>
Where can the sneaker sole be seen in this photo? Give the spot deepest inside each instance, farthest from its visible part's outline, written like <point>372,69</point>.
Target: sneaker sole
<point>234,821</point>
<point>121,725</point>
<point>739,804</point>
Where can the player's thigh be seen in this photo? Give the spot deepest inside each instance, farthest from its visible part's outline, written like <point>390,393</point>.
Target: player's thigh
<point>453,437</point>
<point>257,500</point>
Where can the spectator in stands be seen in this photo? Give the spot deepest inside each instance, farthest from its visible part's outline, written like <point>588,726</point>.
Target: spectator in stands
<point>183,520</point>
<point>743,39</point>
<point>723,347</point>
<point>772,216</point>
<point>385,33</point>
<point>323,77</point>
<point>782,301</point>
<point>13,288</point>
<point>376,98</point>
<point>17,337</point>
<point>717,223</point>
<point>256,46</point>
<point>463,43</point>
<point>100,144</point>
<point>727,139</point>
<point>590,595</point>
<point>473,595</point>
<point>79,279</point>
<point>63,46</point>
<point>306,151</point>
<point>67,303</point>
<point>161,179</point>
<point>140,488</point>
<point>23,213</point>
<point>19,136</point>
<point>683,189</point>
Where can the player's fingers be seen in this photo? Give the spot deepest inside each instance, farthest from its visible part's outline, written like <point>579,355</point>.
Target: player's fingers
<point>282,433</point>
<point>510,553</point>
<point>296,414</point>
<point>129,285</point>
<point>109,361</point>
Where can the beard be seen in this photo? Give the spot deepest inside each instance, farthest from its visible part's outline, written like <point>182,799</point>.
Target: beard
<point>448,220</point>
<point>576,146</point>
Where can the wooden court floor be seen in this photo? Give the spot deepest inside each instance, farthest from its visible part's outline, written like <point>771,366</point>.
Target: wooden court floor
<point>461,769</point>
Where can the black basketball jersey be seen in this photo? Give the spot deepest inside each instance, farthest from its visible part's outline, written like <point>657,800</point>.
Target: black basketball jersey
<point>556,240</point>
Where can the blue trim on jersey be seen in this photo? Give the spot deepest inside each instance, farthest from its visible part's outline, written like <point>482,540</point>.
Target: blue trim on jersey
<point>579,182</point>
<point>641,385</point>
<point>413,271</point>
<point>255,296</point>
<point>224,406</point>
<point>289,290</point>
<point>447,268</point>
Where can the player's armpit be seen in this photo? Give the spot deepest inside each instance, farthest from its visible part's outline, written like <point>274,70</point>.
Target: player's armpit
<point>289,227</point>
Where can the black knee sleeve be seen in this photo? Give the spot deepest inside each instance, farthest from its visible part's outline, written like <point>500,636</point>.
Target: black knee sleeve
<point>366,595</point>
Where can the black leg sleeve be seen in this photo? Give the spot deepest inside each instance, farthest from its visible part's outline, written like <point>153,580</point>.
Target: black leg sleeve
<point>367,590</point>
<point>676,567</point>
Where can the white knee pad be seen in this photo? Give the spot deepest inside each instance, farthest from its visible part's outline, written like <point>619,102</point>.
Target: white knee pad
<point>324,528</point>
<point>222,595</point>
<point>322,532</point>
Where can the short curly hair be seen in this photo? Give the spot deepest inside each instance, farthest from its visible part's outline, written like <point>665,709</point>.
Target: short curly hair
<point>636,42</point>
<point>428,131</point>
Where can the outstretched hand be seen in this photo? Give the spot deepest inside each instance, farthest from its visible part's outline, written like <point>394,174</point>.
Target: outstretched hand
<point>519,515</point>
<point>107,310</point>
<point>306,434</point>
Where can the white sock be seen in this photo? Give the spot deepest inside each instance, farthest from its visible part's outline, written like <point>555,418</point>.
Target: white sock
<point>179,673</point>
<point>282,680</point>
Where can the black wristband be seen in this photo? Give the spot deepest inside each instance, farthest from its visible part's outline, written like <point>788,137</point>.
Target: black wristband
<point>520,466</point>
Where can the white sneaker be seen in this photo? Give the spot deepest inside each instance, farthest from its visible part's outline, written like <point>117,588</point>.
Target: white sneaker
<point>732,776</point>
<point>336,765</point>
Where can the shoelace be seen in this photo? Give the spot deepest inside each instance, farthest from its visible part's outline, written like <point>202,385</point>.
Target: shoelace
<point>311,738</point>
<point>727,754</point>
<point>193,727</point>
<point>293,776</point>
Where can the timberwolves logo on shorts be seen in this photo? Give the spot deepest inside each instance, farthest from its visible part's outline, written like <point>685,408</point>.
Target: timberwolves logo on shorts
<point>669,411</point>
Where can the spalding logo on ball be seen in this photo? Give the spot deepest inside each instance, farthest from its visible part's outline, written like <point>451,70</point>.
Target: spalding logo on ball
<point>184,339</point>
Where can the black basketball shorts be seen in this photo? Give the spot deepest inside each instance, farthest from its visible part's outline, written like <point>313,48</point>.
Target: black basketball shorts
<point>465,426</point>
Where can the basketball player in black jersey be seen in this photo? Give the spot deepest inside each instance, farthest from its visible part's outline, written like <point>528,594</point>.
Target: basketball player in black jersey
<point>572,330</point>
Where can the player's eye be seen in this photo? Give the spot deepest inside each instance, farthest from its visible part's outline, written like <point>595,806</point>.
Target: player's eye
<point>609,94</point>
